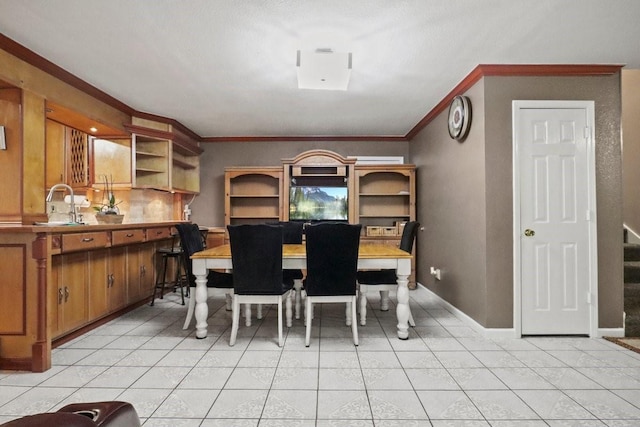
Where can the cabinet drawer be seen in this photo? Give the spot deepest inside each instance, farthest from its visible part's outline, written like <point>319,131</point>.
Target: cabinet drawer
<point>82,241</point>
<point>158,233</point>
<point>124,237</point>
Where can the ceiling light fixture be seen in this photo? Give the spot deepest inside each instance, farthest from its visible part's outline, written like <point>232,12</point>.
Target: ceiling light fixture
<point>94,129</point>
<point>323,69</point>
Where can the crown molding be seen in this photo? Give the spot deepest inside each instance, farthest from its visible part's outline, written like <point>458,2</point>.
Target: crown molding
<point>30,57</point>
<point>505,70</point>
<point>303,138</point>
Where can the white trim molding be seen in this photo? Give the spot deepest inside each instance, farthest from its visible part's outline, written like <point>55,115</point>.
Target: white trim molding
<point>503,333</point>
<point>491,333</point>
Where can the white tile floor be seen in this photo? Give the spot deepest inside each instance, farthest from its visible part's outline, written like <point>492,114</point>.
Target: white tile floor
<point>444,375</point>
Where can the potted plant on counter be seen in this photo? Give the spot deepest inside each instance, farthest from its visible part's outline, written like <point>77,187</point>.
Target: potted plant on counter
<point>107,212</point>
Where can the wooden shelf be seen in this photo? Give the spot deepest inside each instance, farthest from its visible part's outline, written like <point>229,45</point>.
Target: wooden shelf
<point>183,165</point>
<point>148,154</point>
<point>385,194</point>
<point>252,195</point>
<point>145,170</point>
<point>165,160</point>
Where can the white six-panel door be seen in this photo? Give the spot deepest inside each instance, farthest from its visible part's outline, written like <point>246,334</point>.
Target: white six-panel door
<point>554,207</point>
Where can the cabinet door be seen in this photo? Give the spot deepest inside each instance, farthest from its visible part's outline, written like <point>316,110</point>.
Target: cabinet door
<point>54,153</point>
<point>148,263</point>
<point>140,271</point>
<point>55,297</point>
<point>74,288</point>
<point>117,291</point>
<point>99,283</point>
<point>112,158</point>
<point>77,158</point>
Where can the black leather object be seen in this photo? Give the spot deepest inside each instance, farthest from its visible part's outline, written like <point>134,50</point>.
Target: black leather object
<point>106,414</point>
<point>89,414</point>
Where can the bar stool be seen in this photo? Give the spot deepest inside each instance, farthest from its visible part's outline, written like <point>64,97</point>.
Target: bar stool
<point>176,253</point>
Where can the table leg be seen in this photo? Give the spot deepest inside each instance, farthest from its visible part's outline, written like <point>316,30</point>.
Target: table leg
<point>402,309</point>
<point>202,310</point>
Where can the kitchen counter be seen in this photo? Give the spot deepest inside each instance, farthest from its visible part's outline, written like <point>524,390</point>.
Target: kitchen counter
<point>21,228</point>
<point>60,281</point>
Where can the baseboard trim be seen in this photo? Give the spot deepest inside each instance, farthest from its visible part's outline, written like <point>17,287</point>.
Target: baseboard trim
<point>504,333</point>
<point>610,332</point>
<point>491,333</point>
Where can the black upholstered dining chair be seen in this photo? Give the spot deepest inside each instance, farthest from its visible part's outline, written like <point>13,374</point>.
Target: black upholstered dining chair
<point>332,264</point>
<point>385,280</point>
<point>256,256</point>
<point>217,282</point>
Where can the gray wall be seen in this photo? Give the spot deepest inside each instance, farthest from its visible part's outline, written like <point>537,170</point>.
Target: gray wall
<point>208,207</point>
<point>465,197</point>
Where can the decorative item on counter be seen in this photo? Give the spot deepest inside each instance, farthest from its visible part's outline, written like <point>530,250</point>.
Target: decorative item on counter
<point>108,212</point>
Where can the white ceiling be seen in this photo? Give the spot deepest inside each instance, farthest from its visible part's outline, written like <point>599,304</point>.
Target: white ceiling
<point>227,68</point>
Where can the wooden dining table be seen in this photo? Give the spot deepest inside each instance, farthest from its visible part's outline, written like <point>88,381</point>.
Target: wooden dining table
<point>371,256</point>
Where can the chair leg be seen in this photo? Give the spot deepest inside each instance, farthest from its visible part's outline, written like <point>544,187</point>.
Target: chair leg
<point>190,309</point>
<point>280,321</point>
<point>384,300</point>
<point>347,312</point>
<point>160,285</point>
<point>363,305</point>
<point>247,314</point>
<point>354,324</point>
<point>297,286</point>
<point>179,281</point>
<point>288,310</point>
<point>308,315</point>
<point>229,299</point>
<point>236,320</point>
<point>259,312</point>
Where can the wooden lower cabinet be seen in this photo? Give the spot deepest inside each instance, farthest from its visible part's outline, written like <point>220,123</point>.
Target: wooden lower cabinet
<point>88,285</point>
<point>117,295</point>
<point>140,271</point>
<point>68,296</point>
<point>107,281</point>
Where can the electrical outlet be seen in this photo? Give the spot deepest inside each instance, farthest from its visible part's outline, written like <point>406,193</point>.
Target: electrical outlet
<point>435,272</point>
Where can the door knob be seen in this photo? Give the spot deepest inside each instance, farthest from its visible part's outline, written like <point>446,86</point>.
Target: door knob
<point>529,232</point>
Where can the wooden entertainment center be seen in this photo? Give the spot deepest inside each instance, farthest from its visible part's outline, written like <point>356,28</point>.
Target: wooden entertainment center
<point>381,197</point>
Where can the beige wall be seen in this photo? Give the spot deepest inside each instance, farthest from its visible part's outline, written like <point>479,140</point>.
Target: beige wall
<point>465,197</point>
<point>208,207</point>
<point>631,148</point>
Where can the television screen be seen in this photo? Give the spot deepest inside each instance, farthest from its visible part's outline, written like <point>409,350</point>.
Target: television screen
<point>318,203</point>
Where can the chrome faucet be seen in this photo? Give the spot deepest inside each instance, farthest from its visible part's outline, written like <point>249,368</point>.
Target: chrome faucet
<point>72,212</point>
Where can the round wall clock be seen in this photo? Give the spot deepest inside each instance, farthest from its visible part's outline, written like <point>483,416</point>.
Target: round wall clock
<point>459,117</point>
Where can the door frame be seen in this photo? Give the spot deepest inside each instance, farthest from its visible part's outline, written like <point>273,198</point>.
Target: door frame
<point>589,107</point>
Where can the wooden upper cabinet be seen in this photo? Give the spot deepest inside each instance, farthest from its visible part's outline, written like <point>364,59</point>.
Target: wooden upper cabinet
<point>77,158</point>
<point>82,161</point>
<point>66,156</point>
<point>163,158</point>
<point>54,153</point>
<point>111,158</point>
